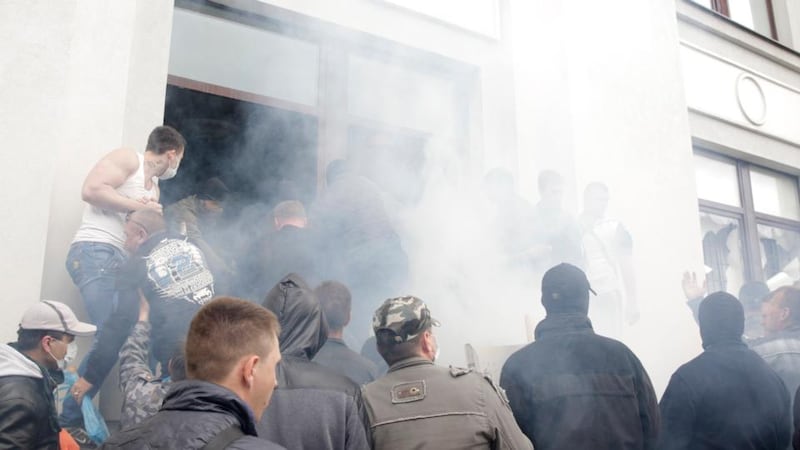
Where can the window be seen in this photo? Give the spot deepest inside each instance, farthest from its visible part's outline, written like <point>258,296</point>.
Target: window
<point>758,15</point>
<point>750,220</point>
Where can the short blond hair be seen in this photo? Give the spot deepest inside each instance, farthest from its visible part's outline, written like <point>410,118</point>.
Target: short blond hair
<point>225,330</point>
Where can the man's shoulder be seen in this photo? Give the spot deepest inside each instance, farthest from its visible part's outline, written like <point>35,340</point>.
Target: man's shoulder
<point>304,374</point>
<point>789,343</point>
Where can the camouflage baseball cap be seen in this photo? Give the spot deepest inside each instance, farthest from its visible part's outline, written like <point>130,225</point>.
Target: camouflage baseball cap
<point>405,316</point>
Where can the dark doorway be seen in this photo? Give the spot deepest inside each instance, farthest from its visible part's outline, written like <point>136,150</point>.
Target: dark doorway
<point>262,153</point>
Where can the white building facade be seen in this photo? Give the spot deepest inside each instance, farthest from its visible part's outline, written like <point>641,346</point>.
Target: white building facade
<point>689,117</point>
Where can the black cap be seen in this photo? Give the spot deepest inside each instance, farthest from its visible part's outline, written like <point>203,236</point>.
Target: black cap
<point>565,288</point>
<point>214,189</point>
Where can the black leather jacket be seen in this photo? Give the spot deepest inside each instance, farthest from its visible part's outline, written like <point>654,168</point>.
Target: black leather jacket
<point>27,409</point>
<point>307,392</point>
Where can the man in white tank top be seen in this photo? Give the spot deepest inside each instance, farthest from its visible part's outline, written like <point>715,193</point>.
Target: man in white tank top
<point>122,181</point>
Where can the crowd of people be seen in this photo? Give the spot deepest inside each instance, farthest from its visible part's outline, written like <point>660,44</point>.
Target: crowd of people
<point>201,368</point>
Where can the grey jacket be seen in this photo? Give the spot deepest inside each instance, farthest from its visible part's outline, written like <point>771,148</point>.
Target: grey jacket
<point>313,407</point>
<point>782,353</point>
<point>423,406</point>
<point>142,395</point>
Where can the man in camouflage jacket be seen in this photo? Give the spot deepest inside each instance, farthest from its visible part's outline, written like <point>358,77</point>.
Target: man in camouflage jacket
<point>142,392</point>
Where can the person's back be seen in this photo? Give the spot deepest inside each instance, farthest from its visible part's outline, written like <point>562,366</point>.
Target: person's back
<point>451,409</point>
<point>336,302</point>
<point>572,388</point>
<point>727,397</point>
<point>420,405</point>
<point>338,357</point>
<point>309,393</point>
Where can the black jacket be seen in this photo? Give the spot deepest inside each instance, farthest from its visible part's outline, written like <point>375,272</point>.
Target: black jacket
<point>726,398</point>
<point>27,409</point>
<point>573,389</point>
<point>313,407</point>
<point>173,300</point>
<point>193,413</point>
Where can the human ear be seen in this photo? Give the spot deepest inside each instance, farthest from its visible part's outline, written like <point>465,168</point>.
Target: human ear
<point>249,370</point>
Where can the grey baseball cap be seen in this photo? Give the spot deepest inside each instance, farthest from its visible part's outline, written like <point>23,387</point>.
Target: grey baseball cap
<point>51,315</point>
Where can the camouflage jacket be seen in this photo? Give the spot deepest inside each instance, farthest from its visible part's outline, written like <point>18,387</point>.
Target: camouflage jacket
<point>142,395</point>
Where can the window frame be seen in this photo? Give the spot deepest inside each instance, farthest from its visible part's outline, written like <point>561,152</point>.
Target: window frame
<point>722,7</point>
<point>746,213</point>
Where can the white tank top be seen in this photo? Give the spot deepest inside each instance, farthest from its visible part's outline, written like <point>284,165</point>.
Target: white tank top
<point>101,225</point>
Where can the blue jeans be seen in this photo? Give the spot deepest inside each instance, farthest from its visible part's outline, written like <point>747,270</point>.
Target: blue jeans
<point>93,267</point>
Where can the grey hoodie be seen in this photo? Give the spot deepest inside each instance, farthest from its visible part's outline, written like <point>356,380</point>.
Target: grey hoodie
<point>13,362</point>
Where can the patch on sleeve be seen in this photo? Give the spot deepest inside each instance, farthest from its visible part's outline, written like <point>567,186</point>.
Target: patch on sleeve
<point>409,392</point>
<point>456,372</point>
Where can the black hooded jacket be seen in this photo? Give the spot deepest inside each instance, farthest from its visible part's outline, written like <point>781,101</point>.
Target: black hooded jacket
<point>193,413</point>
<point>173,302</point>
<point>574,389</point>
<point>728,397</point>
<point>309,393</point>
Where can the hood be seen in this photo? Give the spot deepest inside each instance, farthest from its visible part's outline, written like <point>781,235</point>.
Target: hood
<point>13,362</point>
<point>721,319</point>
<point>303,328</point>
<point>196,395</point>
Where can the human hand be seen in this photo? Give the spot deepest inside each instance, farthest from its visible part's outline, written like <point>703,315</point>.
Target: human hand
<point>79,389</point>
<point>691,289</point>
<point>144,308</point>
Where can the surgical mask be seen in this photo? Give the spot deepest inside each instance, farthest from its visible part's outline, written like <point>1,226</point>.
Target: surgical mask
<point>69,356</point>
<point>438,349</point>
<point>170,172</point>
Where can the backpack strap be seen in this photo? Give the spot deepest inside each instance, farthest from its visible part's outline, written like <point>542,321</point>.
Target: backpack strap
<point>224,438</point>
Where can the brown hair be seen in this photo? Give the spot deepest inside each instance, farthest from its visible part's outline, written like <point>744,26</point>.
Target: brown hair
<point>225,330</point>
<point>336,301</point>
<point>165,138</point>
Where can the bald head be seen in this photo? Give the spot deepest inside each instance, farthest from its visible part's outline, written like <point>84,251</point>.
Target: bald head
<point>149,219</point>
<point>139,225</point>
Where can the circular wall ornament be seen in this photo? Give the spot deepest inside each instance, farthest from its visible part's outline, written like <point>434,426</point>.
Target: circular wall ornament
<point>751,99</point>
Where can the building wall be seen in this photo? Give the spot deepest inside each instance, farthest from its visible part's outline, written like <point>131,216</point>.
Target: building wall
<point>607,103</point>
<point>86,76</point>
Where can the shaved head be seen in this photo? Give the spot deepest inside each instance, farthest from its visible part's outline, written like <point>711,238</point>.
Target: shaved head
<point>148,219</point>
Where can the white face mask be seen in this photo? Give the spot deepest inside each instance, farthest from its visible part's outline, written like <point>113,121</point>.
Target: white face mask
<point>72,352</point>
<point>170,172</point>
<point>438,349</point>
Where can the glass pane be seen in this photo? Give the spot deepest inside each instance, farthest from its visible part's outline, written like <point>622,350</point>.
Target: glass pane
<point>237,56</point>
<point>780,250</point>
<point>722,252</point>
<point>706,3</point>
<point>741,12</point>
<point>716,180</point>
<point>399,95</point>
<point>775,193</point>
